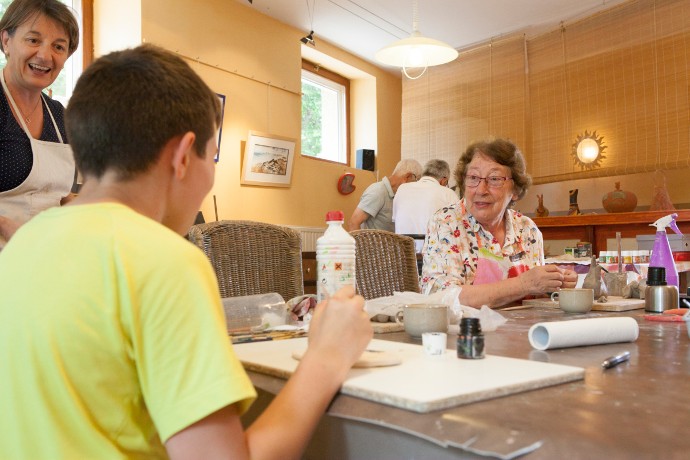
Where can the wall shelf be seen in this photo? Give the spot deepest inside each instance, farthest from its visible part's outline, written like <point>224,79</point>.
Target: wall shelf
<point>597,228</point>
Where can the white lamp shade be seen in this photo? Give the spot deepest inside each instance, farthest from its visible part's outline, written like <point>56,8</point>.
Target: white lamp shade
<point>587,150</point>
<point>416,51</point>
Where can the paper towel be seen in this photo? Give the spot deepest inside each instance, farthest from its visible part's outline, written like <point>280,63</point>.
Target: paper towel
<point>575,333</point>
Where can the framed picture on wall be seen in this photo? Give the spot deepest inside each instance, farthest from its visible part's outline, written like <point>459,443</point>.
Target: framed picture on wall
<point>221,98</point>
<point>268,160</point>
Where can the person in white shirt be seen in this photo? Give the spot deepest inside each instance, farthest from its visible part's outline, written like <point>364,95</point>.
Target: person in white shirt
<point>415,202</point>
<point>375,207</point>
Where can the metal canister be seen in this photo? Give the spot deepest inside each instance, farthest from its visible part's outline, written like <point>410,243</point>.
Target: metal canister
<point>584,249</point>
<point>658,296</point>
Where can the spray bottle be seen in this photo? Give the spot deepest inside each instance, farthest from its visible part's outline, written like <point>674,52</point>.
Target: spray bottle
<point>661,252</point>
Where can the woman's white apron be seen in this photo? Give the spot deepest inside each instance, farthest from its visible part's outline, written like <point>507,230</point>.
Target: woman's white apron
<point>50,178</point>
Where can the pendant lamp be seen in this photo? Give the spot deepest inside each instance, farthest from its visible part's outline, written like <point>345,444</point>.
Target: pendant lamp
<point>416,51</point>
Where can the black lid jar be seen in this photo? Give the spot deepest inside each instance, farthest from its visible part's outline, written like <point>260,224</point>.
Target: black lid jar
<point>470,343</point>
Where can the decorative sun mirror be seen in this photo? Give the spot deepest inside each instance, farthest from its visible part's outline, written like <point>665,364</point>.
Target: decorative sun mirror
<point>588,150</point>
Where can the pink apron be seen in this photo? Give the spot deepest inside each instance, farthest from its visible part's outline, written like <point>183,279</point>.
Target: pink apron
<point>491,268</point>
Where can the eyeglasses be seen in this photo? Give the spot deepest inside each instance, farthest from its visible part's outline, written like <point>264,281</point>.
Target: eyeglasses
<point>491,181</point>
<point>415,177</point>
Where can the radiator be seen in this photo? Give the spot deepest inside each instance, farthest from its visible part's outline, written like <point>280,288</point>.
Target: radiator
<point>309,236</point>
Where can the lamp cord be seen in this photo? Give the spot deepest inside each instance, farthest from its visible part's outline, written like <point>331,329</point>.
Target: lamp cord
<point>415,30</point>
<point>310,11</point>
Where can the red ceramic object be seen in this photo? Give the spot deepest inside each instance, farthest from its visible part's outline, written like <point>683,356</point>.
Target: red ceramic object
<point>619,200</point>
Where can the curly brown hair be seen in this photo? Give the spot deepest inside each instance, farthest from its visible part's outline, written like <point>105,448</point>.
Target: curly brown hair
<point>503,152</point>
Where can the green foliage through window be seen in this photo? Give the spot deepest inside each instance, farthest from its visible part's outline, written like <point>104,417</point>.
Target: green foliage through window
<point>311,119</point>
<point>324,115</point>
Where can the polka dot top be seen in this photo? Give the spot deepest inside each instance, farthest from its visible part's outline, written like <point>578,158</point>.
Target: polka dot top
<point>16,159</point>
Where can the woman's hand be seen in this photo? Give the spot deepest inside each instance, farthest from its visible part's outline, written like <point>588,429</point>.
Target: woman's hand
<point>569,279</point>
<point>546,278</point>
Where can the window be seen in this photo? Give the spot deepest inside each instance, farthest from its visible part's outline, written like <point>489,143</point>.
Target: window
<point>325,109</point>
<point>61,89</point>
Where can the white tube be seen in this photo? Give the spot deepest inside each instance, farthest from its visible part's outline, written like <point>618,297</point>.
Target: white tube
<point>579,332</point>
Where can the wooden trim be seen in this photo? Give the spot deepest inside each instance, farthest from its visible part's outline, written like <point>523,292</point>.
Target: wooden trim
<point>597,228</point>
<point>642,217</point>
<point>87,32</point>
<point>337,78</point>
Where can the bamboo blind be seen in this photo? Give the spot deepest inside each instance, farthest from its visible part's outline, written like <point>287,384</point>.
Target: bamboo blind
<point>624,73</point>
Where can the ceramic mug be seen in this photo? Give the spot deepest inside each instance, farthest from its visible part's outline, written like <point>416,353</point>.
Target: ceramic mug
<point>421,318</point>
<point>574,300</point>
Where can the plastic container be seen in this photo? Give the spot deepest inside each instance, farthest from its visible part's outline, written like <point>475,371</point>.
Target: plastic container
<point>627,257</point>
<point>257,312</point>
<point>637,256</point>
<point>661,252</point>
<point>645,256</point>
<point>335,257</point>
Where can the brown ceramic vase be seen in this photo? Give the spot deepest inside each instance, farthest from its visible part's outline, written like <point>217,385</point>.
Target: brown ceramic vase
<point>619,200</point>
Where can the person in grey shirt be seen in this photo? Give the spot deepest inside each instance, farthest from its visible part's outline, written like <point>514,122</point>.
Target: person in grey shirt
<point>375,208</point>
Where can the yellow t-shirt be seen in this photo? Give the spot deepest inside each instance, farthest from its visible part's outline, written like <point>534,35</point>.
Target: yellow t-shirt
<point>112,337</point>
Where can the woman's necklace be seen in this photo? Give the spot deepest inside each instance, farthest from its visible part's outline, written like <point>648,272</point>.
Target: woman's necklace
<point>27,118</point>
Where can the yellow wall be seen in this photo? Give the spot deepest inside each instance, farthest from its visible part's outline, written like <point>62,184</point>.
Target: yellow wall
<point>255,62</point>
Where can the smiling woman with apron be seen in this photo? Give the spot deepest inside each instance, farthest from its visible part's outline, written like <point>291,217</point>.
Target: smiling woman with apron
<point>52,168</point>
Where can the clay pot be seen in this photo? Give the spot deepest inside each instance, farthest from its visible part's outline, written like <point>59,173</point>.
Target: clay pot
<point>619,200</point>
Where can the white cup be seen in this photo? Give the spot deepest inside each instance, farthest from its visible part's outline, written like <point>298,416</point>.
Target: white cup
<point>574,300</point>
<point>421,318</point>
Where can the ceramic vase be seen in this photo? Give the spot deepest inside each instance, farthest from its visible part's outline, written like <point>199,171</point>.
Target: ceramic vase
<point>619,200</point>
<point>541,210</point>
<point>573,209</point>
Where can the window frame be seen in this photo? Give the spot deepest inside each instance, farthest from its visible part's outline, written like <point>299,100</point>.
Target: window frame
<point>316,69</point>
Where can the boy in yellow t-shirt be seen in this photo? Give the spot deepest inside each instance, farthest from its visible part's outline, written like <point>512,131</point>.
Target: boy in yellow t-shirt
<point>112,336</point>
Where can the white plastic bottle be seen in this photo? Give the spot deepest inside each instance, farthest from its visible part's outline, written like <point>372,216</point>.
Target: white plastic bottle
<point>335,257</point>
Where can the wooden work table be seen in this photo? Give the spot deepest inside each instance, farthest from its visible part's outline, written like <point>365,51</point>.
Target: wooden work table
<point>597,228</point>
<point>636,410</point>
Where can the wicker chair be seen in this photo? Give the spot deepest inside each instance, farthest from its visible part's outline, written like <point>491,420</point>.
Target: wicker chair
<point>252,257</point>
<point>385,263</point>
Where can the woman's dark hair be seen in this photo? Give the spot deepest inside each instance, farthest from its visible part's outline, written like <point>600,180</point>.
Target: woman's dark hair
<point>503,152</point>
<point>21,11</point>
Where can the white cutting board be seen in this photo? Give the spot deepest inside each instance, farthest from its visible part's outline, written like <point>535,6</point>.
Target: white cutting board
<point>421,383</point>
<point>614,303</point>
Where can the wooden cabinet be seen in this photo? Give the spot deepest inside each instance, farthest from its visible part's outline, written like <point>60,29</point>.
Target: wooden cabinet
<point>597,228</point>
<point>309,272</point>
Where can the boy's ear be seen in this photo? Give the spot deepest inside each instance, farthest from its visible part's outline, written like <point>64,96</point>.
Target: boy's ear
<point>183,148</point>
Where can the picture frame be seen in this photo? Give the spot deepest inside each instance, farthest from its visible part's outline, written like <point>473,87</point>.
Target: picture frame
<point>268,160</point>
<point>221,98</point>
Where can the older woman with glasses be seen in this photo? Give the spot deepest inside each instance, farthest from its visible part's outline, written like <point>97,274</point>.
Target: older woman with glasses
<point>493,252</point>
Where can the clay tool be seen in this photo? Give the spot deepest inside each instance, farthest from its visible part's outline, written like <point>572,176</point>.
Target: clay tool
<point>615,360</point>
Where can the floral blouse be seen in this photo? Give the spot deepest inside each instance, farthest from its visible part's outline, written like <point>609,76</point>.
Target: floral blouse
<point>459,251</point>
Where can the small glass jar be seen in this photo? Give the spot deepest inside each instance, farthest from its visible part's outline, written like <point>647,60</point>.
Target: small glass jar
<point>470,339</point>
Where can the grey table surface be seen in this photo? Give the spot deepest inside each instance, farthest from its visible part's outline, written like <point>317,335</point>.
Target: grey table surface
<point>639,409</point>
